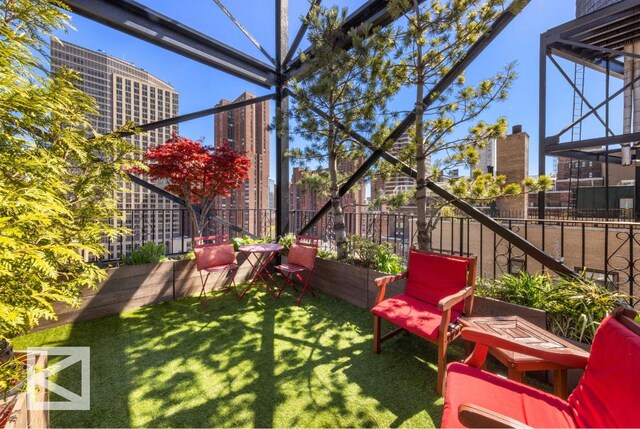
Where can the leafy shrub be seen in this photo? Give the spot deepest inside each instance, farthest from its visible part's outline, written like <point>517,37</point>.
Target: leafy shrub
<point>574,305</point>
<point>185,257</point>
<point>522,288</point>
<point>286,241</point>
<point>241,241</point>
<point>146,254</point>
<point>375,256</point>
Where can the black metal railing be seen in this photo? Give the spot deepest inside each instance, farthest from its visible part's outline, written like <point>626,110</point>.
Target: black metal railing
<point>609,251</point>
<point>172,227</point>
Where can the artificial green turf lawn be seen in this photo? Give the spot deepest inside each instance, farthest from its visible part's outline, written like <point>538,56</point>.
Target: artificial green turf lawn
<point>258,362</point>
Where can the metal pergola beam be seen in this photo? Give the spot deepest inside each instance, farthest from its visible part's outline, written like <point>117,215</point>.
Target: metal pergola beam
<point>199,114</point>
<point>144,23</point>
<point>245,31</point>
<point>593,143</point>
<point>282,116</point>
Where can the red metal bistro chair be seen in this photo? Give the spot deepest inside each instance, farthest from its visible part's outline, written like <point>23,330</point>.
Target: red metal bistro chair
<point>214,254</point>
<point>438,291</point>
<point>301,260</point>
<point>606,396</point>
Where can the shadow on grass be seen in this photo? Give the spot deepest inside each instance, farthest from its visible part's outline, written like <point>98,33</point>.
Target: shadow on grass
<point>258,362</point>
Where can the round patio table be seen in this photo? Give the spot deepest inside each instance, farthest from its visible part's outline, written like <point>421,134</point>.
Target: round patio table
<point>259,256</point>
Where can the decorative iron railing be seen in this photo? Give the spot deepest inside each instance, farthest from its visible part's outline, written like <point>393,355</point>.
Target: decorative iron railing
<point>608,251</point>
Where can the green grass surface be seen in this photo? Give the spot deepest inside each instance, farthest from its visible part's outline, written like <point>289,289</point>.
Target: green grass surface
<point>258,362</point>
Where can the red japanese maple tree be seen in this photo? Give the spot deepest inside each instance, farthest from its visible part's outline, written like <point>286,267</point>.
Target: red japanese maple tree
<point>197,173</point>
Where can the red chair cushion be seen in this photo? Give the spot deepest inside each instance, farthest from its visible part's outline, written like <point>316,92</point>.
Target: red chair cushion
<point>433,277</point>
<point>213,256</point>
<point>608,391</point>
<point>220,268</point>
<point>465,384</point>
<point>414,315</point>
<point>304,256</point>
<point>290,268</point>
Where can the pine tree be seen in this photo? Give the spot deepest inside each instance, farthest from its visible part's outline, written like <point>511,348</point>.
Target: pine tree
<point>434,37</point>
<point>351,88</point>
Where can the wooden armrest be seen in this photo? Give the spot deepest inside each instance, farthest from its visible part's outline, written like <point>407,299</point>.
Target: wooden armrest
<point>449,301</point>
<point>567,357</point>
<point>475,416</point>
<point>383,281</point>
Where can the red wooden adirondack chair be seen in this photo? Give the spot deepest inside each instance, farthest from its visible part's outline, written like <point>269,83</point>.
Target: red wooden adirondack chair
<point>214,254</point>
<point>439,289</point>
<point>606,396</point>
<point>301,259</point>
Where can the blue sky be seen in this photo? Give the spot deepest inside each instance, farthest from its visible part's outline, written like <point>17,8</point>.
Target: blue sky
<point>201,87</point>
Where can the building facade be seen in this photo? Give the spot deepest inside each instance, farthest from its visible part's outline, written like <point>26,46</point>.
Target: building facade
<point>246,130</point>
<point>125,93</point>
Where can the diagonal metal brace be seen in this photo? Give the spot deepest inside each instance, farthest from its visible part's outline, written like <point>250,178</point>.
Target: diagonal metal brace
<point>513,238</point>
<point>245,31</point>
<point>195,115</point>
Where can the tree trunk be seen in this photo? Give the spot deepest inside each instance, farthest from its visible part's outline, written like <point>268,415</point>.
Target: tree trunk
<point>338,216</point>
<point>195,225</point>
<point>424,236</point>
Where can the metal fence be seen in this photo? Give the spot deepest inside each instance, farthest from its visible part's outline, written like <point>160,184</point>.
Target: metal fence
<point>608,251</point>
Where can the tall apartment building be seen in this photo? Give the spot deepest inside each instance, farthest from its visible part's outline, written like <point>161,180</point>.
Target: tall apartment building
<point>246,129</point>
<point>127,93</point>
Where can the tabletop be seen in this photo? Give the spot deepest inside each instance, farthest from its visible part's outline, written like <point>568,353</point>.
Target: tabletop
<point>518,330</point>
<point>261,248</point>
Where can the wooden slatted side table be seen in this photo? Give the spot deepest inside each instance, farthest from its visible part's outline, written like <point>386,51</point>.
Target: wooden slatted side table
<point>519,330</point>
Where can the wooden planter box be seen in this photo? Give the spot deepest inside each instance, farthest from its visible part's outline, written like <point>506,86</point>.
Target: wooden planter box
<point>349,282</point>
<point>128,287</point>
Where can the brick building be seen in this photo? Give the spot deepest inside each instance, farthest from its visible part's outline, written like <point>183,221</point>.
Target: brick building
<point>246,129</point>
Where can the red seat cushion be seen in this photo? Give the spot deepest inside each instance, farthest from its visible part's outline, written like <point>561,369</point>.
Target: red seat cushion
<point>220,268</point>
<point>465,384</point>
<point>433,277</point>
<point>214,256</point>
<point>304,256</point>
<point>417,317</point>
<point>608,391</point>
<point>290,268</point>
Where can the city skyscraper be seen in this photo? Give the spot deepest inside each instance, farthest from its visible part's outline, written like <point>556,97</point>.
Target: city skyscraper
<point>246,130</point>
<point>126,93</point>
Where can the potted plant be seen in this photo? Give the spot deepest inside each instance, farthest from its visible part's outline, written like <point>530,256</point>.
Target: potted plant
<point>574,306</point>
